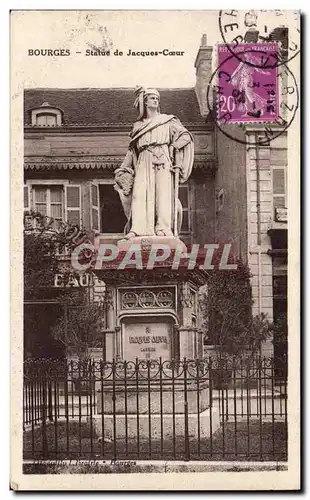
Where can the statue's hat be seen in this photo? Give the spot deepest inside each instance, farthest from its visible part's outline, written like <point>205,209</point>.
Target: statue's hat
<point>140,93</point>
<point>151,91</point>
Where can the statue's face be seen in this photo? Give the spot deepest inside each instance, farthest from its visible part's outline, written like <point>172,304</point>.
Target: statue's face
<point>152,101</point>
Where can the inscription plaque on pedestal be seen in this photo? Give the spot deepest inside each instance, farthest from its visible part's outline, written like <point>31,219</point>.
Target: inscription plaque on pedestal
<point>147,340</point>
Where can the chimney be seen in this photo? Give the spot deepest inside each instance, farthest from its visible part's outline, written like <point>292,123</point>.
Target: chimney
<point>280,34</point>
<point>203,65</point>
<point>251,36</point>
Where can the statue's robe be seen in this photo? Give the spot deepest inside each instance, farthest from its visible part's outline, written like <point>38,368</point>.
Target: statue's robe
<point>150,205</point>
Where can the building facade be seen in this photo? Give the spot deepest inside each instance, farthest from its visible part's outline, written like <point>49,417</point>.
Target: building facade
<point>74,139</point>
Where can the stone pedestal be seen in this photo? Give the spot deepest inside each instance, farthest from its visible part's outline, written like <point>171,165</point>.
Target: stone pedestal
<point>166,425</point>
<point>145,243</point>
<point>155,316</point>
<point>152,311</point>
<point>163,398</point>
<point>156,409</point>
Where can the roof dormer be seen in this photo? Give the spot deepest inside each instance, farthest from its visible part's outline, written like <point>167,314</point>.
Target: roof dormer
<point>46,116</point>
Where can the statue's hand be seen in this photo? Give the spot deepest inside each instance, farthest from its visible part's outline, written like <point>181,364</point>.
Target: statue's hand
<point>175,168</point>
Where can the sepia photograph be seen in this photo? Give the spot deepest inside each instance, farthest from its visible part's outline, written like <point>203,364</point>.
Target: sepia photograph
<point>154,313</point>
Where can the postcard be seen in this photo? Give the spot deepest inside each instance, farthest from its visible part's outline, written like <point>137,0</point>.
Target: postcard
<point>155,169</point>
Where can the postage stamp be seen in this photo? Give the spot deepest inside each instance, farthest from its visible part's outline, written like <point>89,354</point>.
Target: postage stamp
<point>247,93</point>
<point>249,88</point>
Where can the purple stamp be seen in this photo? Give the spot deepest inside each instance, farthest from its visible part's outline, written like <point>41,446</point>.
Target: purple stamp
<point>247,85</point>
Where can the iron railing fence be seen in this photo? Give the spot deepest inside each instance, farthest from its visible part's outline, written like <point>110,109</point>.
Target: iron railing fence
<point>210,409</point>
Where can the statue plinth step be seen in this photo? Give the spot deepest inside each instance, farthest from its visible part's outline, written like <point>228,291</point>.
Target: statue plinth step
<point>146,243</point>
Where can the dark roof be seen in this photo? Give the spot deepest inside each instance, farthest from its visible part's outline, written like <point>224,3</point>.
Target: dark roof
<point>110,106</point>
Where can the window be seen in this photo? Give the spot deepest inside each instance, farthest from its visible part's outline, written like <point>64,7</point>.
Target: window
<point>49,201</point>
<point>46,116</point>
<point>113,219</point>
<point>58,202</point>
<point>107,213</point>
<point>279,187</point>
<point>46,119</point>
<point>184,199</point>
<point>279,286</point>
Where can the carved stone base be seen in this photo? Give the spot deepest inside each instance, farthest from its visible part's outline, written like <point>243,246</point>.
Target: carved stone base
<point>146,242</point>
<point>154,398</point>
<point>165,425</point>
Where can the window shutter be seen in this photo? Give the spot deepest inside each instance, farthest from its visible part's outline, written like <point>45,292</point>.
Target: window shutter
<point>73,205</point>
<point>40,200</point>
<point>26,198</point>
<point>279,201</point>
<point>278,181</point>
<point>94,195</point>
<point>278,187</point>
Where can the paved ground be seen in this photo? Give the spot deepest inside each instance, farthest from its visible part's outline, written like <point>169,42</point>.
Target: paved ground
<point>234,441</point>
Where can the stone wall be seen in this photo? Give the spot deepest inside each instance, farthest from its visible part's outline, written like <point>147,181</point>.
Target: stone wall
<point>230,192</point>
<point>259,244</point>
<point>203,216</point>
<point>259,240</point>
